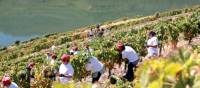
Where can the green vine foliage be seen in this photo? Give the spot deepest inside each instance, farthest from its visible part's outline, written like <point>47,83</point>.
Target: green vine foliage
<point>173,32</point>
<point>79,62</point>
<point>165,73</point>
<point>153,74</point>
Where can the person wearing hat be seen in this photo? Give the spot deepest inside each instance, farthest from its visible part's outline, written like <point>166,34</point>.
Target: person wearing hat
<point>6,82</point>
<point>129,53</point>
<point>27,75</point>
<point>152,45</point>
<point>66,70</point>
<point>96,67</point>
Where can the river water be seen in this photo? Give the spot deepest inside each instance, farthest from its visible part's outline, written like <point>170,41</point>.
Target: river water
<point>24,19</point>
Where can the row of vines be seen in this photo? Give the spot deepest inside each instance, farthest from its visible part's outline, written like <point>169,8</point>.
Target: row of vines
<point>37,44</point>
<point>168,31</point>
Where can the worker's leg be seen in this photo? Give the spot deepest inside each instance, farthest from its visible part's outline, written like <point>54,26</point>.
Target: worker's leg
<point>129,74</point>
<point>95,77</point>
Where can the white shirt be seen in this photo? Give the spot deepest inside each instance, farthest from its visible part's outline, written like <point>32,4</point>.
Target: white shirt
<point>89,51</point>
<point>90,32</point>
<point>67,70</point>
<point>53,48</point>
<point>49,57</point>
<point>130,54</point>
<point>74,52</point>
<point>13,85</point>
<point>94,65</point>
<point>52,62</point>
<point>152,42</point>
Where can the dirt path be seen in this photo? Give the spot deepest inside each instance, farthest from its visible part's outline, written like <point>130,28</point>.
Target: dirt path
<point>140,25</point>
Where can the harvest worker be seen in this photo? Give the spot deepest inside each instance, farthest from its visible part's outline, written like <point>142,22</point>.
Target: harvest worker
<point>26,75</point>
<point>91,34</point>
<point>98,27</point>
<point>51,70</point>
<point>96,67</point>
<point>128,53</point>
<point>152,45</point>
<point>66,70</point>
<point>113,39</point>
<point>100,32</point>
<point>48,55</point>
<point>88,50</point>
<point>53,59</point>
<point>74,50</point>
<point>6,82</point>
<point>53,48</point>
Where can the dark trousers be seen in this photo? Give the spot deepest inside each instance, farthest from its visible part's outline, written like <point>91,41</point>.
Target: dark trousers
<point>129,74</point>
<point>96,76</point>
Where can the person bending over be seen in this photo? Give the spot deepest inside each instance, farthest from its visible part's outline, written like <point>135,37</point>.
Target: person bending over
<point>129,53</point>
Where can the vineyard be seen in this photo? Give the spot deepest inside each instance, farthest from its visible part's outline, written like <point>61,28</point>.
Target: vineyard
<point>179,70</point>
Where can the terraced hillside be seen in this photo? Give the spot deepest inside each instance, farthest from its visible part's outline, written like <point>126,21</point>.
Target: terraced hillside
<point>170,26</point>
